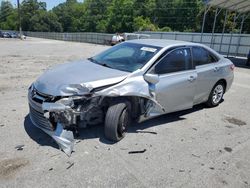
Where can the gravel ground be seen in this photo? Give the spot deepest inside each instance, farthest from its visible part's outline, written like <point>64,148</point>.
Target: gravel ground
<point>201,147</point>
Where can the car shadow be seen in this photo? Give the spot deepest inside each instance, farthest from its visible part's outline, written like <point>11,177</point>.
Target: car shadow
<point>37,134</point>
<point>97,131</point>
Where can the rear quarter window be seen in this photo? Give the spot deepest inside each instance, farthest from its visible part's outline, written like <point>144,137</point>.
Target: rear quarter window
<point>201,56</point>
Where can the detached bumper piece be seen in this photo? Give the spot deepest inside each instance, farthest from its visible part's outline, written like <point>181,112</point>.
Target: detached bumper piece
<point>64,138</point>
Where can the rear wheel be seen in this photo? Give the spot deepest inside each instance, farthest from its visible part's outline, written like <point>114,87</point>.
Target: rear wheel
<point>117,120</point>
<point>216,95</point>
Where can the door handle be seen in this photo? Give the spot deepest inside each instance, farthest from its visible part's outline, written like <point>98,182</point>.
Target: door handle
<point>191,78</point>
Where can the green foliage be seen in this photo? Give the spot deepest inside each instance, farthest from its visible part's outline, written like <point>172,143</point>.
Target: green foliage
<point>165,29</point>
<point>143,24</point>
<point>8,17</point>
<point>115,16</point>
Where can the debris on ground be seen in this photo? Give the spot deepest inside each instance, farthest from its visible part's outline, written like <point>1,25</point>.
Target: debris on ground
<point>228,149</point>
<point>55,155</point>
<point>70,164</point>
<point>1,125</point>
<point>195,155</point>
<point>135,152</point>
<point>96,147</point>
<point>229,126</point>
<point>124,148</point>
<point>150,132</point>
<point>194,129</point>
<point>50,169</point>
<point>19,147</point>
<point>181,170</point>
<point>235,121</point>
<point>212,168</point>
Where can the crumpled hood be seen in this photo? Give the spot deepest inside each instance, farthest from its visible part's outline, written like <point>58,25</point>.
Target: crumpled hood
<point>81,76</point>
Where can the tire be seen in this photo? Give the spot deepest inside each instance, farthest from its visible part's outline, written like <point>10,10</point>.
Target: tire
<point>216,95</point>
<point>117,120</point>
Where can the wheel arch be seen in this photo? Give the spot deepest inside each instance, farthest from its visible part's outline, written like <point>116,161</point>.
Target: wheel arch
<point>135,102</point>
<point>224,83</point>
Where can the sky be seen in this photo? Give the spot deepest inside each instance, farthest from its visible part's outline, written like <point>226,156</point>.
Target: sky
<point>50,3</point>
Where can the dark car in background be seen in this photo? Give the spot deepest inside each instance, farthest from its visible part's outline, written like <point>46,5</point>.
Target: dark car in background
<point>6,35</point>
<point>13,35</point>
<point>1,34</point>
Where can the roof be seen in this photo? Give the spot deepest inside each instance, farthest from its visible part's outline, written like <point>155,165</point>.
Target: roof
<point>159,42</point>
<point>241,6</point>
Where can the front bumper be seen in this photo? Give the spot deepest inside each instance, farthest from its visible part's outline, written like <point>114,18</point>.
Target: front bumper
<point>64,138</point>
<point>37,116</point>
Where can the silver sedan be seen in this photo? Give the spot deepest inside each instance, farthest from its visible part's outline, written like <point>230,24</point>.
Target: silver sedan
<point>135,80</point>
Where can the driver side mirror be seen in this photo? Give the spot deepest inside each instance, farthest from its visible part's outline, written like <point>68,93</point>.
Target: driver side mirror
<point>151,78</point>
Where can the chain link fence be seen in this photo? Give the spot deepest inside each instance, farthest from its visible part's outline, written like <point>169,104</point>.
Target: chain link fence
<point>227,44</point>
<point>96,38</point>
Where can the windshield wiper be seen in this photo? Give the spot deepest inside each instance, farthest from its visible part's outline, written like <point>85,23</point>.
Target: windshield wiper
<point>99,63</point>
<point>93,60</point>
<point>105,65</point>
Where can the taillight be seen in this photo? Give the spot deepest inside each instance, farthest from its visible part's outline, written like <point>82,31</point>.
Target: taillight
<point>232,67</point>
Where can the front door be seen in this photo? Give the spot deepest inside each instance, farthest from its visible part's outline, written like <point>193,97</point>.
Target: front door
<point>176,87</point>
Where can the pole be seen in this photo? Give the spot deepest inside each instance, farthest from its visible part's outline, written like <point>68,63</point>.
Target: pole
<point>244,17</point>
<point>203,23</point>
<point>223,31</point>
<point>19,17</point>
<point>212,42</point>
<point>231,36</point>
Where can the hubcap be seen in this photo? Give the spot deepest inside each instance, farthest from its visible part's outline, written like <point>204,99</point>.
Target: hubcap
<point>217,94</point>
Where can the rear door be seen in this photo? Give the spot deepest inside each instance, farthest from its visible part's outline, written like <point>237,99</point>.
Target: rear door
<point>207,72</point>
<point>176,87</point>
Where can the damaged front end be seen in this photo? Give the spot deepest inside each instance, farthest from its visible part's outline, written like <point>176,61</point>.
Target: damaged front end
<point>81,106</point>
<point>60,117</point>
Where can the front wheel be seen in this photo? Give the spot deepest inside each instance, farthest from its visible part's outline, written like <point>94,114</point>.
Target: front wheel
<point>216,95</point>
<point>117,120</point>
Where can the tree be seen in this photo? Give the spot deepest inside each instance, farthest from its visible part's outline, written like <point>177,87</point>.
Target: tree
<point>143,24</point>
<point>121,16</point>
<point>95,16</point>
<point>35,17</point>
<point>8,16</point>
<point>116,16</point>
<point>69,15</point>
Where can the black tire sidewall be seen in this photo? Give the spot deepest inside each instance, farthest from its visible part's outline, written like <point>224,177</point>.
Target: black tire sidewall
<point>112,120</point>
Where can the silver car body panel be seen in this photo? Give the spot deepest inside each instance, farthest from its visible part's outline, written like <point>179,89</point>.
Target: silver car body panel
<point>57,81</point>
<point>174,91</point>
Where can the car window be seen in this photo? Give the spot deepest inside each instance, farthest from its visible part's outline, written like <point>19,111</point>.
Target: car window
<point>126,56</point>
<point>212,58</point>
<point>121,53</point>
<point>202,56</point>
<point>177,60</point>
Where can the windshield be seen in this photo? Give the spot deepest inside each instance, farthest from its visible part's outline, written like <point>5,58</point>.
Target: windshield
<point>126,56</point>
